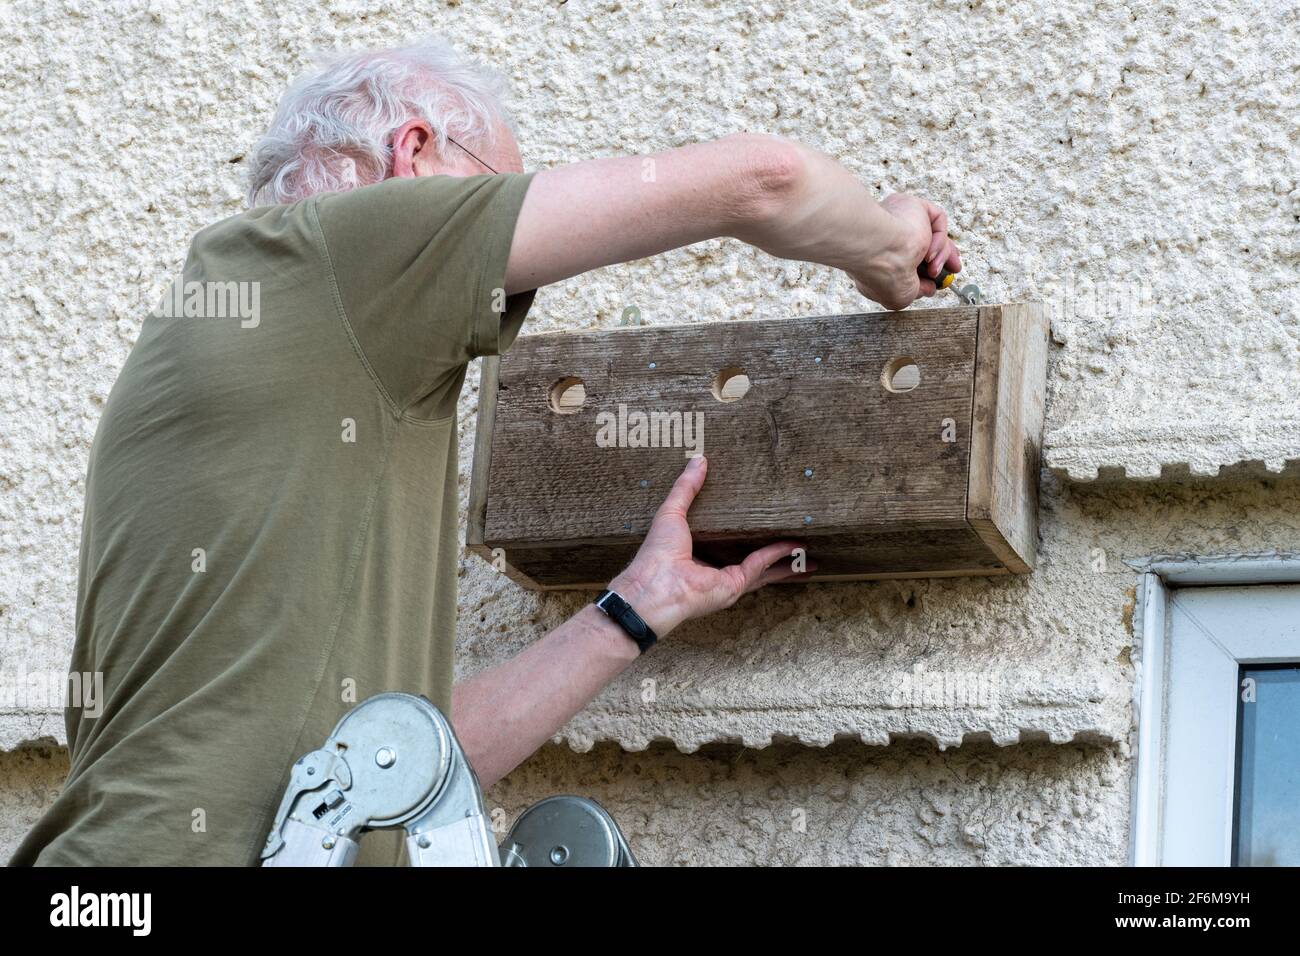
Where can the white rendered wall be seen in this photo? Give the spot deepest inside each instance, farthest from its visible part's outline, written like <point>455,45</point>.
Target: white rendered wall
<point>1132,165</point>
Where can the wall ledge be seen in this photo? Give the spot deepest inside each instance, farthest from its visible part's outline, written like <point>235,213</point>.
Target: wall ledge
<point>1058,715</point>
<point>1082,713</point>
<point>1183,451</point>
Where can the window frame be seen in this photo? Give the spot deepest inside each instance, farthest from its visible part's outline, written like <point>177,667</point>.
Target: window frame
<point>1204,658</point>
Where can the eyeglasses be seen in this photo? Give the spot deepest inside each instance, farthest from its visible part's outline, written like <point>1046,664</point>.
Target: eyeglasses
<point>472,156</point>
<point>458,146</point>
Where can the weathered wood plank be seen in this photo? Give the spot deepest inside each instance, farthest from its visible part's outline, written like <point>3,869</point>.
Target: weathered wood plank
<point>876,457</point>
<point>476,517</point>
<point>839,557</point>
<point>481,468</point>
<point>1011,369</point>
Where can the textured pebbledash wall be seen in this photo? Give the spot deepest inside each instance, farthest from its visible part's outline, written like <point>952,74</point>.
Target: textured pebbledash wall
<point>1133,165</point>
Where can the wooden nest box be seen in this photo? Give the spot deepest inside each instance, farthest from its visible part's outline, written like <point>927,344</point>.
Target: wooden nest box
<point>896,444</point>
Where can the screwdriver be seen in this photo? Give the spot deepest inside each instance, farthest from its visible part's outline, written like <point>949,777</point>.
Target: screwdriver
<point>969,294</point>
<point>942,281</point>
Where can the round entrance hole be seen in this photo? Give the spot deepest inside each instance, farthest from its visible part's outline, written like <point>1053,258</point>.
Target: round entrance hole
<point>567,396</point>
<point>731,384</point>
<point>901,375</point>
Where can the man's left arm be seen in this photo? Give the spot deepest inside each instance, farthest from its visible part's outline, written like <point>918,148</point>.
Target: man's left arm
<point>504,714</point>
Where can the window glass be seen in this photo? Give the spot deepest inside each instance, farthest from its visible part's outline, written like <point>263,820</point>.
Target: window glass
<point>1267,811</point>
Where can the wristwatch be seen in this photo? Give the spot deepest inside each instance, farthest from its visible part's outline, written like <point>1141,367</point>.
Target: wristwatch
<point>621,613</point>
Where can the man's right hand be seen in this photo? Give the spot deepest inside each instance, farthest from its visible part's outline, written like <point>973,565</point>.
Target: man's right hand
<point>923,228</point>
<point>828,216</point>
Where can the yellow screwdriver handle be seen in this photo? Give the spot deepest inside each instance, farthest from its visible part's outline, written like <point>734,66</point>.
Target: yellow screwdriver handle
<point>942,281</point>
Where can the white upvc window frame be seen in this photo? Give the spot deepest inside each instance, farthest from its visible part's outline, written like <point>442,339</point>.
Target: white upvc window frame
<point>1172,833</point>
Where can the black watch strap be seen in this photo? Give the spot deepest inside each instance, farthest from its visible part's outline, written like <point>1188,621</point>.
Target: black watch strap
<point>621,613</point>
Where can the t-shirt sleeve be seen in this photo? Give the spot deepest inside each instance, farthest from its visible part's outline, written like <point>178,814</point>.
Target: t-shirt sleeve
<point>420,264</point>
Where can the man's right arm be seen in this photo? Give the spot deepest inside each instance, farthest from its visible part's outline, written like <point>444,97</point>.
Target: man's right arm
<point>784,198</point>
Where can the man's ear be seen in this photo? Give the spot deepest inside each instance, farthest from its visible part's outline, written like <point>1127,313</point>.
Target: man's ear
<point>413,149</point>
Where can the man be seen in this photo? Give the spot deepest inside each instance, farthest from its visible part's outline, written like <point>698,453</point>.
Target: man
<point>270,523</point>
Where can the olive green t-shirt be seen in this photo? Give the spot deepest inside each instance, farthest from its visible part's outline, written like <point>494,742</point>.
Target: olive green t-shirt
<point>270,530</point>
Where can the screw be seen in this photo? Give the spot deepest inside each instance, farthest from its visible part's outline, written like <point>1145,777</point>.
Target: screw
<point>644,483</point>
<point>385,758</point>
<point>311,771</point>
<point>424,842</point>
<point>807,472</point>
<point>559,855</point>
<point>652,364</point>
<point>807,519</point>
<point>327,843</point>
<point>818,360</point>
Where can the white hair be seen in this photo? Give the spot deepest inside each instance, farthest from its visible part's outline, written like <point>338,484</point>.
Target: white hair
<point>331,130</point>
